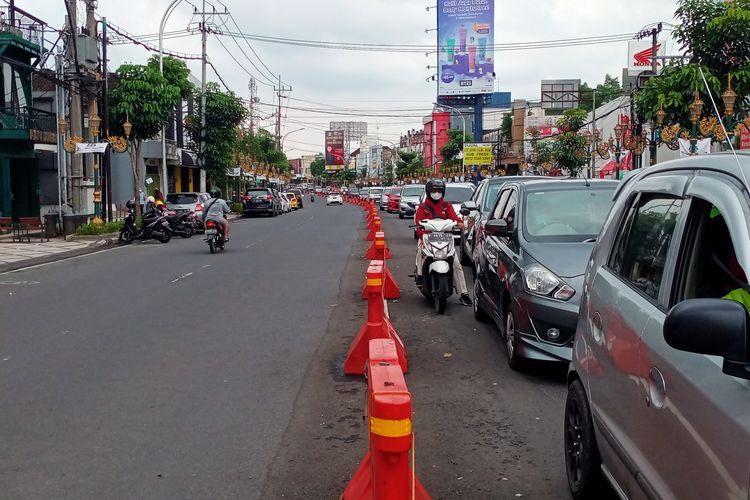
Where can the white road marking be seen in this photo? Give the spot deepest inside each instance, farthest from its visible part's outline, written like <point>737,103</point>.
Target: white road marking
<point>16,283</point>
<point>181,277</point>
<point>6,359</point>
<point>207,265</point>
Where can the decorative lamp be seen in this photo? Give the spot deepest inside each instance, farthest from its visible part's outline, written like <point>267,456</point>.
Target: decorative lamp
<point>588,137</point>
<point>660,115</point>
<point>729,96</point>
<point>696,108</point>
<point>62,126</point>
<point>619,130</point>
<point>94,122</point>
<point>127,127</point>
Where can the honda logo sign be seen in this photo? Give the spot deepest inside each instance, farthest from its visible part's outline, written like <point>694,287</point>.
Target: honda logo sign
<point>640,56</point>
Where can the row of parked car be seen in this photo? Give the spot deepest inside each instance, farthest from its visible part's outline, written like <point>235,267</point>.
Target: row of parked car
<point>628,282</point>
<point>269,201</point>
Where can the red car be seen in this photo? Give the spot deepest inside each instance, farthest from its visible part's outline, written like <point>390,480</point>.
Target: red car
<point>393,200</point>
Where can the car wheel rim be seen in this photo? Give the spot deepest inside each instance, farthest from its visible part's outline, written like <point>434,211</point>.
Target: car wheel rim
<point>476,296</point>
<point>574,442</point>
<point>510,335</point>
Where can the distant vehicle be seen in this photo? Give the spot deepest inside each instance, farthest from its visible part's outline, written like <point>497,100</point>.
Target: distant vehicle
<point>292,198</point>
<point>394,199</point>
<point>286,207</point>
<point>188,201</point>
<point>334,199</point>
<point>657,399</point>
<point>409,202</point>
<point>300,196</point>
<point>375,193</point>
<point>318,189</point>
<point>384,198</point>
<point>530,259</point>
<point>364,193</point>
<point>261,200</point>
<point>354,192</point>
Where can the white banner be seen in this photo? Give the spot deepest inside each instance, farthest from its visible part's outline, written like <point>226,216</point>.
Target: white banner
<point>702,147</point>
<point>91,147</point>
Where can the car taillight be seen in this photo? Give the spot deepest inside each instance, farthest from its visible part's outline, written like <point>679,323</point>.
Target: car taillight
<point>268,197</point>
<point>199,207</point>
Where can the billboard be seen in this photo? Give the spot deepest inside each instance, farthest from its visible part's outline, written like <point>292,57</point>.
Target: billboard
<point>477,153</point>
<point>560,94</point>
<point>334,150</point>
<point>641,55</point>
<point>744,138</point>
<point>466,32</point>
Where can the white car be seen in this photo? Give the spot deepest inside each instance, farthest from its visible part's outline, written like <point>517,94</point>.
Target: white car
<point>334,198</point>
<point>286,205</point>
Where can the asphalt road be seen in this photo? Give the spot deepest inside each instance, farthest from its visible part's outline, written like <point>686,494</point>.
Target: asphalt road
<point>161,371</point>
<point>481,429</point>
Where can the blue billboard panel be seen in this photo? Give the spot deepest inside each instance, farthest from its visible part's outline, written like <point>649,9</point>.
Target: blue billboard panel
<point>466,30</point>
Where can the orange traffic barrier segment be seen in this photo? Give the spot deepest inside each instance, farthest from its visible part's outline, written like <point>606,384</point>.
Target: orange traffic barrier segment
<point>387,470</point>
<point>376,228</point>
<point>378,249</point>
<point>377,326</point>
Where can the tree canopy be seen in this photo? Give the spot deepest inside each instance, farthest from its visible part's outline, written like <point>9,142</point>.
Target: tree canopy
<point>713,37</point>
<point>318,167</point>
<point>605,92</point>
<point>455,145</point>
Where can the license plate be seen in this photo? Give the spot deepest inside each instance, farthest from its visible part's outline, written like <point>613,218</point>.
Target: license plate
<point>211,231</point>
<point>440,237</point>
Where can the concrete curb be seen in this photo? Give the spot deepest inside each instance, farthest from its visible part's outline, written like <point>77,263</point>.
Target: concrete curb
<point>94,246</point>
<point>94,238</point>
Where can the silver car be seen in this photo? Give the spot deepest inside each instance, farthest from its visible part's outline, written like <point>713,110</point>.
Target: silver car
<point>383,205</point>
<point>659,388</point>
<point>188,201</point>
<point>375,194</point>
<point>407,205</point>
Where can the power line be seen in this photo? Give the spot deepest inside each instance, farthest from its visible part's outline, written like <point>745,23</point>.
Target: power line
<point>243,68</point>
<point>251,48</point>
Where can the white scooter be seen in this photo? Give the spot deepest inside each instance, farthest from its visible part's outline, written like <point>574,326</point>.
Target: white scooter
<point>438,248</point>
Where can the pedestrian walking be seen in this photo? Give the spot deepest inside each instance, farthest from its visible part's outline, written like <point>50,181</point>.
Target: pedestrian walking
<point>142,199</point>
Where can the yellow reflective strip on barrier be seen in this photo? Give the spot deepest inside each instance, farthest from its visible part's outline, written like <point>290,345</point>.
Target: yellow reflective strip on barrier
<point>390,428</point>
<point>374,282</point>
<point>379,243</point>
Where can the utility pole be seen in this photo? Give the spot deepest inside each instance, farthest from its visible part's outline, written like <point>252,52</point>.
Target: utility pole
<point>593,122</point>
<point>281,88</point>
<point>93,107</point>
<point>107,179</point>
<point>655,68</point>
<point>76,121</point>
<point>61,163</point>
<point>253,88</point>
<point>204,35</point>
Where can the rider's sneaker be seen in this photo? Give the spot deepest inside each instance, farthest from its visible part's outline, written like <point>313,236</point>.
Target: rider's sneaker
<point>418,280</point>
<point>465,300</point>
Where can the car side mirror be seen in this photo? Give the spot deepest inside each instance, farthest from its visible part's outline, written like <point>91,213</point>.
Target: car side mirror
<point>498,227</point>
<point>468,206</point>
<point>715,327</point>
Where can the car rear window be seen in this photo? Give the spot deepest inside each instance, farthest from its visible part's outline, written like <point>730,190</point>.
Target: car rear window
<point>413,190</point>
<point>376,190</point>
<point>182,198</point>
<point>458,194</point>
<point>257,192</point>
<point>396,191</point>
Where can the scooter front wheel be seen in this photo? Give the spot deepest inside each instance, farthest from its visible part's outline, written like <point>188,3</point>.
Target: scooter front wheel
<point>126,236</point>
<point>441,293</point>
<point>164,237</point>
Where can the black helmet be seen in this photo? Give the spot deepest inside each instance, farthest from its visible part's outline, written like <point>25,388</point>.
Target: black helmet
<point>434,185</point>
<point>130,204</point>
<point>215,193</point>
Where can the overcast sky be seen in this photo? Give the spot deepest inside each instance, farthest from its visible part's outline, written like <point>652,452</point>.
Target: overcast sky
<point>390,83</point>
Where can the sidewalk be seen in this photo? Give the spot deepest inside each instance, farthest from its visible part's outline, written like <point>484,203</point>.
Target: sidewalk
<point>18,255</point>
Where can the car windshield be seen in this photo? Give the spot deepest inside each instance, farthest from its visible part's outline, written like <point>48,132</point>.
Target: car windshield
<point>376,190</point>
<point>413,190</point>
<point>289,196</point>
<point>182,198</point>
<point>492,192</point>
<point>353,191</point>
<point>458,194</point>
<point>566,215</point>
<point>257,192</point>
<point>396,192</point>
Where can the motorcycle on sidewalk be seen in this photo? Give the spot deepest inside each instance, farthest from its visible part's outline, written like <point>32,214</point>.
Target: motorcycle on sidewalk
<point>153,225</point>
<point>438,248</point>
<point>182,224</point>
<point>214,236</point>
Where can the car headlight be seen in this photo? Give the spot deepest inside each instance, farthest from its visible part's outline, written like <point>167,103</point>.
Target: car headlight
<point>542,281</point>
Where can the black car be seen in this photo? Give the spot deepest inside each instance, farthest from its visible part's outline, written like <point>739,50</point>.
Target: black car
<point>530,259</point>
<point>261,200</point>
<point>475,210</point>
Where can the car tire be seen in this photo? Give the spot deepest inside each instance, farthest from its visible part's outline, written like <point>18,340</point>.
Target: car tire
<point>416,237</point>
<point>582,459</point>
<point>465,259</point>
<point>510,335</point>
<point>401,216</point>
<point>479,313</point>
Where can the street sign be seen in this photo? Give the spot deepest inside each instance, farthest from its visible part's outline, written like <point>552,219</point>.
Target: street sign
<point>91,147</point>
<point>477,153</point>
<point>641,54</point>
<point>744,138</point>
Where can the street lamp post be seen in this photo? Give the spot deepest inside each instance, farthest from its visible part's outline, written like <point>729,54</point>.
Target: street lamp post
<point>293,131</point>
<point>167,13</point>
<point>94,123</point>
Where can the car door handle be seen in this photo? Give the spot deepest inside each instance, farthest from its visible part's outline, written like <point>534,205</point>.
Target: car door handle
<point>657,389</point>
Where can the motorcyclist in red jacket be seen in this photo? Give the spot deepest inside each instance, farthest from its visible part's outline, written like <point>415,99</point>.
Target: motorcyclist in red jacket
<point>435,207</point>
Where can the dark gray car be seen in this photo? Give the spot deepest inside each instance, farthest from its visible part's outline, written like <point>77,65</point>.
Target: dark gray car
<point>409,201</point>
<point>659,391</point>
<point>530,258</point>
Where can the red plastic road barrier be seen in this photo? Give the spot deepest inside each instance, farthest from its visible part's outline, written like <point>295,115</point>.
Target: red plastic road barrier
<point>376,228</point>
<point>377,326</point>
<point>385,473</point>
<point>378,249</point>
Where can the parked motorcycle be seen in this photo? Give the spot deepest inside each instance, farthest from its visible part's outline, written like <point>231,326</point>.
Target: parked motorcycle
<point>182,224</point>
<point>438,248</point>
<point>153,225</point>
<point>214,236</point>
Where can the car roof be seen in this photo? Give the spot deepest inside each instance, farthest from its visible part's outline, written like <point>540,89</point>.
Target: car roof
<point>567,183</point>
<point>509,178</point>
<point>724,162</point>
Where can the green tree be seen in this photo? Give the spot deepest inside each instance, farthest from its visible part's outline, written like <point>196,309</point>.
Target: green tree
<point>176,72</point>
<point>455,145</point>
<point>713,37</point>
<point>567,150</point>
<point>318,167</point>
<point>506,128</point>
<point>605,92</point>
<point>224,114</point>
<point>409,163</point>
<point>145,98</point>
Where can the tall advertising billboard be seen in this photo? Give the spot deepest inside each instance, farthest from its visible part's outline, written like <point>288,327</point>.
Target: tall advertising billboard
<point>334,150</point>
<point>466,34</point>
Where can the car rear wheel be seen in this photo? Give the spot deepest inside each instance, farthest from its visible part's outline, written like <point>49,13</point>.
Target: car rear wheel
<point>582,459</point>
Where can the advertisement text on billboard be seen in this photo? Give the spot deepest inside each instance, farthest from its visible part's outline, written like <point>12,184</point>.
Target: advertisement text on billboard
<point>334,150</point>
<point>477,154</point>
<point>465,47</point>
